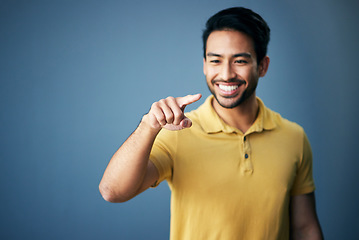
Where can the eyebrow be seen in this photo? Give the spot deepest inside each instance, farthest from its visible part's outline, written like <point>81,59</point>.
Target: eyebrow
<point>244,54</point>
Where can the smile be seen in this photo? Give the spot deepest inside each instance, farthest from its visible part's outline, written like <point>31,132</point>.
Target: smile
<point>228,88</point>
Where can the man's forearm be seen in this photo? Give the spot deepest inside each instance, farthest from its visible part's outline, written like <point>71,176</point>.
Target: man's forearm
<point>126,170</point>
<point>129,171</point>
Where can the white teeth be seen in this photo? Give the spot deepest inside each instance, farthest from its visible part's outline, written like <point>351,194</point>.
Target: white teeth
<point>228,88</point>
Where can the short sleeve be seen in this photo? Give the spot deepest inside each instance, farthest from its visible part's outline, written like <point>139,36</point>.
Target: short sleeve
<point>162,154</point>
<point>304,182</point>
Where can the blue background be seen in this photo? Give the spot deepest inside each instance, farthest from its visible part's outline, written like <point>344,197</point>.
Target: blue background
<point>77,76</point>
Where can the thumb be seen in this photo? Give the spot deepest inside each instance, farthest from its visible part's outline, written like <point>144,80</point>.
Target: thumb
<point>184,101</point>
<point>186,122</point>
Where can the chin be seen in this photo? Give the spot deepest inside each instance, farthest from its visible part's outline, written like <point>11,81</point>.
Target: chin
<point>228,102</point>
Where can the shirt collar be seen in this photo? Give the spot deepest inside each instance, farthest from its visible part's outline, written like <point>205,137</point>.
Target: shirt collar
<point>212,123</point>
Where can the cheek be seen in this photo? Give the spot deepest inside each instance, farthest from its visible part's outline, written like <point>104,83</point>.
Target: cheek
<point>209,71</point>
<point>249,73</point>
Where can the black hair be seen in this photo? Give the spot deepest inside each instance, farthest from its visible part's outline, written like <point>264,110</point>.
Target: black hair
<point>243,20</point>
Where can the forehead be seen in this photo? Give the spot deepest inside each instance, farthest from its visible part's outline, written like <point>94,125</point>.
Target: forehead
<point>229,42</point>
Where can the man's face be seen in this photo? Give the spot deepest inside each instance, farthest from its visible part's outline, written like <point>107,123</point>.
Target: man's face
<point>231,67</point>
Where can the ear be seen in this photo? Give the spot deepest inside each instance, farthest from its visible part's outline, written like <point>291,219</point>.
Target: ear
<point>204,67</point>
<point>263,66</point>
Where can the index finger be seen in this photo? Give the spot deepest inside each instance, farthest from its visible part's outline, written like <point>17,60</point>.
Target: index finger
<point>184,101</point>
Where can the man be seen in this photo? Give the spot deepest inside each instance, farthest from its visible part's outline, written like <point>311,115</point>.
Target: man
<point>236,169</point>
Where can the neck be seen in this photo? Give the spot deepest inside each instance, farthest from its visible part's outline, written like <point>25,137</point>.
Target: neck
<point>241,117</point>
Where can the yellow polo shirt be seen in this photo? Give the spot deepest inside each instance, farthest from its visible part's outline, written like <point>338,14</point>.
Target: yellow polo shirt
<point>229,185</point>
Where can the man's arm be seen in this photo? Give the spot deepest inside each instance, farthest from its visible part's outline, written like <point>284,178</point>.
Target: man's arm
<point>304,220</point>
<point>129,171</point>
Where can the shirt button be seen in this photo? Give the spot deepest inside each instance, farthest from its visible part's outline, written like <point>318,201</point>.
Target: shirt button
<point>245,138</point>
<point>246,155</point>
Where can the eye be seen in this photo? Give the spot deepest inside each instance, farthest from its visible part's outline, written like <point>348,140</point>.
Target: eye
<point>214,61</point>
<point>241,61</point>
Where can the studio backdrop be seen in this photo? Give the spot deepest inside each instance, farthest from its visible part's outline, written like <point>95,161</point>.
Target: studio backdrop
<point>76,77</point>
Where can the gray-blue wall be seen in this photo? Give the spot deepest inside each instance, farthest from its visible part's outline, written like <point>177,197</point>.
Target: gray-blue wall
<point>76,77</point>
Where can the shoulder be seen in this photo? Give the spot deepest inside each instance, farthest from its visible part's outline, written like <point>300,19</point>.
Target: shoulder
<point>204,117</point>
<point>290,135</point>
<point>202,111</point>
<point>286,128</point>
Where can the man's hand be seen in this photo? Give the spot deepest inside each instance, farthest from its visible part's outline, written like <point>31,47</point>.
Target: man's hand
<point>130,172</point>
<point>169,113</point>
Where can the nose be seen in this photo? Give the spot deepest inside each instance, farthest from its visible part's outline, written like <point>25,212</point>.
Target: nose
<point>227,72</point>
